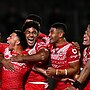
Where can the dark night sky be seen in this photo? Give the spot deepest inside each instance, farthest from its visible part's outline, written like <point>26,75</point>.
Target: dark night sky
<point>74,13</point>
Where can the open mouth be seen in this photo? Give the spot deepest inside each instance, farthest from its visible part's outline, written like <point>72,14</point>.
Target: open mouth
<point>30,40</point>
<point>7,42</point>
<point>85,39</point>
<point>50,38</point>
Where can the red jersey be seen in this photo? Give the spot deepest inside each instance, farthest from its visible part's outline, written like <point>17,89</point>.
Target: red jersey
<point>13,80</point>
<point>61,57</point>
<point>0,74</point>
<point>86,57</point>
<point>34,76</point>
<point>44,38</point>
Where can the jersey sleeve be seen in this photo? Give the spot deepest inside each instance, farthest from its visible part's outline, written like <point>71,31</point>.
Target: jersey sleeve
<point>88,55</point>
<point>41,45</point>
<point>2,47</point>
<point>44,38</point>
<point>41,35</point>
<point>72,54</point>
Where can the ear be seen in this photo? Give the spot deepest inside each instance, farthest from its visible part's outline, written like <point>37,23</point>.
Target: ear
<point>61,34</point>
<point>17,42</point>
<point>38,34</point>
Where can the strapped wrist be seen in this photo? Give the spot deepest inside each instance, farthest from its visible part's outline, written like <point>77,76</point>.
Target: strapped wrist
<point>66,72</point>
<point>56,72</point>
<point>77,84</point>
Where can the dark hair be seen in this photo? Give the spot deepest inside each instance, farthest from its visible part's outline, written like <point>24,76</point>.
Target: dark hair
<point>35,17</point>
<point>59,25</point>
<point>31,24</point>
<point>22,38</point>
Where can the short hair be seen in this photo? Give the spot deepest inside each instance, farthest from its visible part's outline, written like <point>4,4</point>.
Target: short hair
<point>22,38</point>
<point>59,25</point>
<point>35,17</point>
<point>31,24</point>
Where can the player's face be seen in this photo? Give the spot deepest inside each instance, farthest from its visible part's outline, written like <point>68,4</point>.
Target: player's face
<point>12,40</point>
<point>53,35</point>
<point>86,37</point>
<point>31,36</point>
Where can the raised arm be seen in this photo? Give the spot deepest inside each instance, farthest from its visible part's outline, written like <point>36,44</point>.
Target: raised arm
<point>83,76</point>
<point>85,72</point>
<point>41,55</point>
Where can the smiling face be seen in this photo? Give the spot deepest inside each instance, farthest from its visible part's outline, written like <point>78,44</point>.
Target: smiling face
<point>55,35</point>
<point>31,36</point>
<point>13,40</point>
<point>86,37</point>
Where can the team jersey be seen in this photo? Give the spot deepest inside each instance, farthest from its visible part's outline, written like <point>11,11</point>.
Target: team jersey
<point>61,57</point>
<point>0,74</point>
<point>34,76</point>
<point>44,38</point>
<point>13,80</point>
<point>86,57</point>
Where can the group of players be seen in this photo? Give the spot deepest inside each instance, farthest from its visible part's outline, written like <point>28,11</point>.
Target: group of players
<point>30,59</point>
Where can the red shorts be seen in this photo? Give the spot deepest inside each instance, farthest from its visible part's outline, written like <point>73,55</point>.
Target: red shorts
<point>30,86</point>
<point>87,87</point>
<point>61,86</point>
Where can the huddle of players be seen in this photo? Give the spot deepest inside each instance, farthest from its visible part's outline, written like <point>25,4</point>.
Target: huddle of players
<point>42,56</point>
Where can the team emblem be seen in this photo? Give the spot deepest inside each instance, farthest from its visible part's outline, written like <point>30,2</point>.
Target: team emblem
<point>74,51</point>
